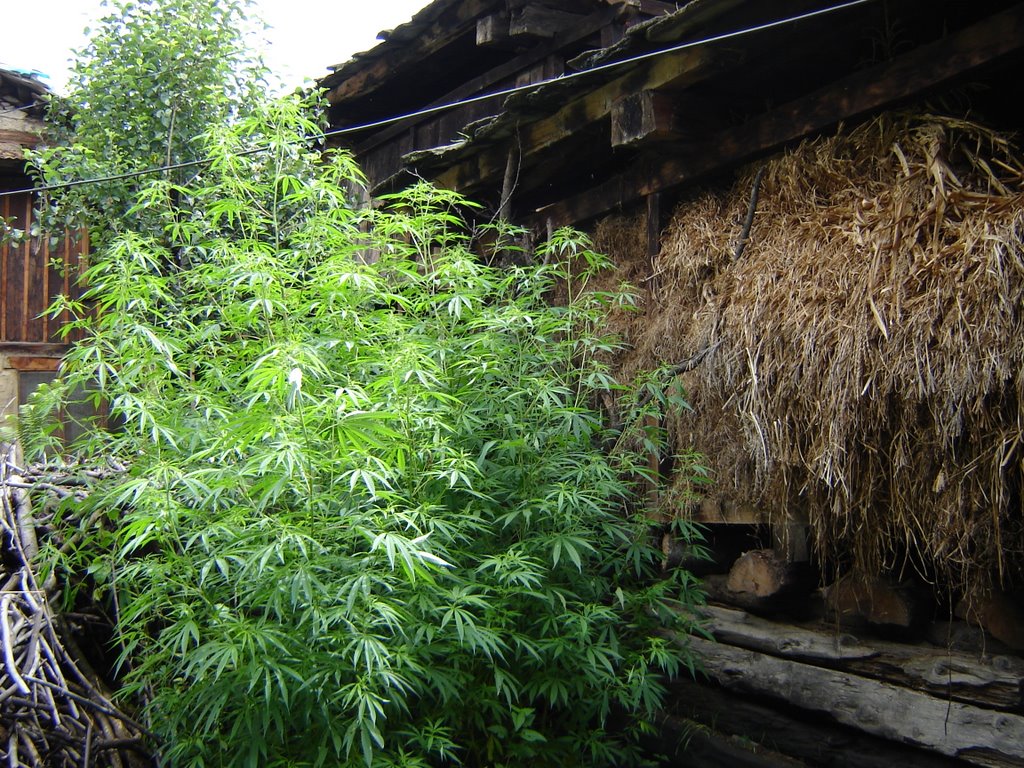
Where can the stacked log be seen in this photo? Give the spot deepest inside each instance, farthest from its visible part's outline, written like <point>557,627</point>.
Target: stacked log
<point>945,705</point>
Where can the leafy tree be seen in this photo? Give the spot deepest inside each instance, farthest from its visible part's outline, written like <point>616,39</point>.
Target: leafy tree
<point>368,517</point>
<point>153,77</point>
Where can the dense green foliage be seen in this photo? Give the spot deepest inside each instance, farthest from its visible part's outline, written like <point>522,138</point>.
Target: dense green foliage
<point>368,518</point>
<point>371,515</point>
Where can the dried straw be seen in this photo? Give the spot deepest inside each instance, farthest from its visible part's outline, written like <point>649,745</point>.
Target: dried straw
<point>869,374</point>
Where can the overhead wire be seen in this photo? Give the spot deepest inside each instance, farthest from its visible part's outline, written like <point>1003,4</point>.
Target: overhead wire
<point>431,110</point>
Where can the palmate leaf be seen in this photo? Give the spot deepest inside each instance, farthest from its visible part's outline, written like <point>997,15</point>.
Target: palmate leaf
<point>369,520</point>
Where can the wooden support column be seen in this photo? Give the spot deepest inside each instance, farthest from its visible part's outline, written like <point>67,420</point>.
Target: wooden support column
<point>789,540</point>
<point>653,227</point>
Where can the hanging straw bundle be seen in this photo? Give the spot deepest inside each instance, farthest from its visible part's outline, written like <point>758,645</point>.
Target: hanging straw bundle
<point>868,358</point>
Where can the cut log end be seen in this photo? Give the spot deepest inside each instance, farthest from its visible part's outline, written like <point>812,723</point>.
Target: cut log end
<point>998,613</point>
<point>761,573</point>
<point>877,602</point>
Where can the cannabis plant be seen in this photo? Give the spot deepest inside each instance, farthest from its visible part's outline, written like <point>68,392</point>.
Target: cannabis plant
<point>369,517</point>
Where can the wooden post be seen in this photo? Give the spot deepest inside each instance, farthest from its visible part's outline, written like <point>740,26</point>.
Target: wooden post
<point>789,540</point>
<point>653,227</point>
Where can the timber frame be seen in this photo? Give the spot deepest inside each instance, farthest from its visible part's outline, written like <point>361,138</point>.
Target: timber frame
<point>612,138</point>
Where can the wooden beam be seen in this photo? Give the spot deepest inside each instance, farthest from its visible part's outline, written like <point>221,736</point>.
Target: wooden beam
<point>978,736</point>
<point>868,90</point>
<point>757,723</point>
<point>26,363</point>
<point>492,31</point>
<point>713,511</point>
<point>589,106</point>
<point>18,348</point>
<point>644,116</point>
<point>988,681</point>
<point>539,22</point>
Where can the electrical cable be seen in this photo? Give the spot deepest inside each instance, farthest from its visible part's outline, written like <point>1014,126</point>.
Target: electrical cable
<point>461,102</point>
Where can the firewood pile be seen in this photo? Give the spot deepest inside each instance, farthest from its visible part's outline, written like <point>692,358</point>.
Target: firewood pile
<point>54,708</point>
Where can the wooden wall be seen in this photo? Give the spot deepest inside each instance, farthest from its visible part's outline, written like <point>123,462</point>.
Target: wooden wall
<point>32,273</point>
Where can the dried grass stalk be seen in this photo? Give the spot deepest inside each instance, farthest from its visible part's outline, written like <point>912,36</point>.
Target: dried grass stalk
<point>869,373</point>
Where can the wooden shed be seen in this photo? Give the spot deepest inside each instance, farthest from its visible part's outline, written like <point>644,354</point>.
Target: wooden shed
<point>821,205</point>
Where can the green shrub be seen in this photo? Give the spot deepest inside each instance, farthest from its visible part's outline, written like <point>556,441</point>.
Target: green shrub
<point>369,518</point>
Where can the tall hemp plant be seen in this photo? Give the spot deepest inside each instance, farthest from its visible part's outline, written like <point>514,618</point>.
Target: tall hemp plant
<point>369,517</point>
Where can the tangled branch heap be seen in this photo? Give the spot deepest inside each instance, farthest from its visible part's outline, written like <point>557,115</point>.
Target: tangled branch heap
<point>52,709</point>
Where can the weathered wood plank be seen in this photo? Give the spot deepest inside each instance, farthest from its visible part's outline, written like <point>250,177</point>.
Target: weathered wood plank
<point>21,348</point>
<point>747,631</point>
<point>16,283</point>
<point>5,257</point>
<point>908,75</point>
<point>790,732</point>
<point>950,728</point>
<point>37,298</point>
<point>988,681</point>
<point>26,363</point>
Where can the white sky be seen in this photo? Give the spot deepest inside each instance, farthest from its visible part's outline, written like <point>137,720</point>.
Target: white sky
<point>305,36</point>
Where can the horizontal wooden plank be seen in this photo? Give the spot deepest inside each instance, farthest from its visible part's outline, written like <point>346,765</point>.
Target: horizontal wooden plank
<point>950,728</point>
<point>17,348</point>
<point>757,723</point>
<point>26,363</point>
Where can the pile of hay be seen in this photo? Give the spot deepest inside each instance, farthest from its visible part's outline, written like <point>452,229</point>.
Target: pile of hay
<point>870,362</point>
